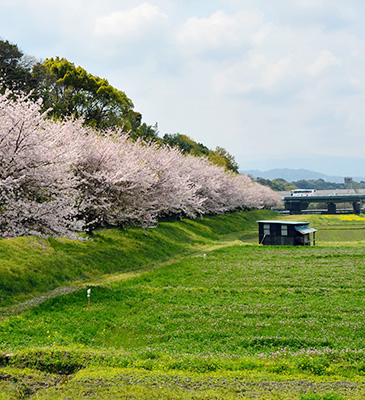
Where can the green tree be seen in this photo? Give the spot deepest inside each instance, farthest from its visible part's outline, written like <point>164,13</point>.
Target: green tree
<point>145,132</point>
<point>318,184</point>
<point>278,184</point>
<point>221,157</point>
<point>15,67</point>
<point>183,142</point>
<point>72,91</point>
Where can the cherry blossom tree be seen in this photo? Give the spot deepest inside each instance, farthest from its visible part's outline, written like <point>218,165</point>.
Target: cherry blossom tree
<point>36,187</point>
<point>172,192</point>
<point>124,182</point>
<point>58,177</point>
<point>112,180</point>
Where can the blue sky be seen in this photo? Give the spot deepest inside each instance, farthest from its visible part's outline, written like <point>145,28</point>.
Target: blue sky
<point>279,83</point>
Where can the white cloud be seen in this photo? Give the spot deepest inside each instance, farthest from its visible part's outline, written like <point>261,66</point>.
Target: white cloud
<point>219,31</point>
<point>325,60</point>
<point>329,15</point>
<point>130,23</point>
<point>255,73</point>
<point>262,78</point>
<point>276,71</point>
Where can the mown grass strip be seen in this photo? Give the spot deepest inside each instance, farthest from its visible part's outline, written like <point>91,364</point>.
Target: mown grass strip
<point>128,383</point>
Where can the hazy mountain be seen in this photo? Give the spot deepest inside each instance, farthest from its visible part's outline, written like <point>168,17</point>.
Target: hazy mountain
<point>292,175</point>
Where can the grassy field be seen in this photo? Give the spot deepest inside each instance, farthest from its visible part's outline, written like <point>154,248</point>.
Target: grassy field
<point>225,319</point>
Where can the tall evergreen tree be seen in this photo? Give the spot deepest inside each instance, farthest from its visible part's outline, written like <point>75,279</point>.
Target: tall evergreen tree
<point>15,67</point>
<point>72,91</point>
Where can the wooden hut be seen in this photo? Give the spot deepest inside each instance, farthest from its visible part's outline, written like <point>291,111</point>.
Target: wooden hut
<point>286,233</point>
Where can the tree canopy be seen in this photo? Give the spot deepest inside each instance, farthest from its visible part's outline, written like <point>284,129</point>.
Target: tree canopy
<point>15,67</point>
<point>72,91</point>
<point>219,156</point>
<point>280,184</point>
<point>59,176</point>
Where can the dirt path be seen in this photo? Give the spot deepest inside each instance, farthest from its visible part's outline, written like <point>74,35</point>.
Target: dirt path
<point>35,301</point>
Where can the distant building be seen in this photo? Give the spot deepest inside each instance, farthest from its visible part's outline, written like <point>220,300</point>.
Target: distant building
<point>286,233</point>
<point>348,182</point>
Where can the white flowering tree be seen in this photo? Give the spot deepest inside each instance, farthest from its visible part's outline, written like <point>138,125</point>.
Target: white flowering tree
<point>124,182</point>
<point>112,180</point>
<point>36,186</point>
<point>58,177</point>
<point>172,192</point>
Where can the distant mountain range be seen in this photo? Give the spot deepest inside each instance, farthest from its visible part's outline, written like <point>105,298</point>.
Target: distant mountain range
<point>292,175</point>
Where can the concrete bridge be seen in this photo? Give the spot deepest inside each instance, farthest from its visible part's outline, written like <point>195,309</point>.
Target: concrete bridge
<point>296,204</point>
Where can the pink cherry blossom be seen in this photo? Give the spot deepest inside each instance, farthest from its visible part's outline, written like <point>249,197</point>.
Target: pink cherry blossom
<point>59,177</point>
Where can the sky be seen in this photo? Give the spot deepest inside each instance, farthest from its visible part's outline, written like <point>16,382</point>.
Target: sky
<point>278,84</point>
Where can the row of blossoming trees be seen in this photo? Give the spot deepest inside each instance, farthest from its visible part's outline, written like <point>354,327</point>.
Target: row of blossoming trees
<point>59,177</point>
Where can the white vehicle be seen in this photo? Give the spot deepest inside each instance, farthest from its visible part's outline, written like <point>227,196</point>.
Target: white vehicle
<point>303,192</point>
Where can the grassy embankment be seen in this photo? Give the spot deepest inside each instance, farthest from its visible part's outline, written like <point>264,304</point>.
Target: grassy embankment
<point>246,321</point>
<point>32,266</point>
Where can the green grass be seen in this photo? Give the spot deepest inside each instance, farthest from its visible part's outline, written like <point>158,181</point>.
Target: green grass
<point>246,321</point>
<point>335,230</point>
<point>29,266</point>
<point>291,298</point>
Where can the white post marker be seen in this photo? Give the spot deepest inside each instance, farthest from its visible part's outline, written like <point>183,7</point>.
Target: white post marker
<point>205,256</point>
<point>88,298</point>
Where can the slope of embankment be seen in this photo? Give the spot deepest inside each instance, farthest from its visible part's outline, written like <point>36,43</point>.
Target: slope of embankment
<point>30,266</point>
